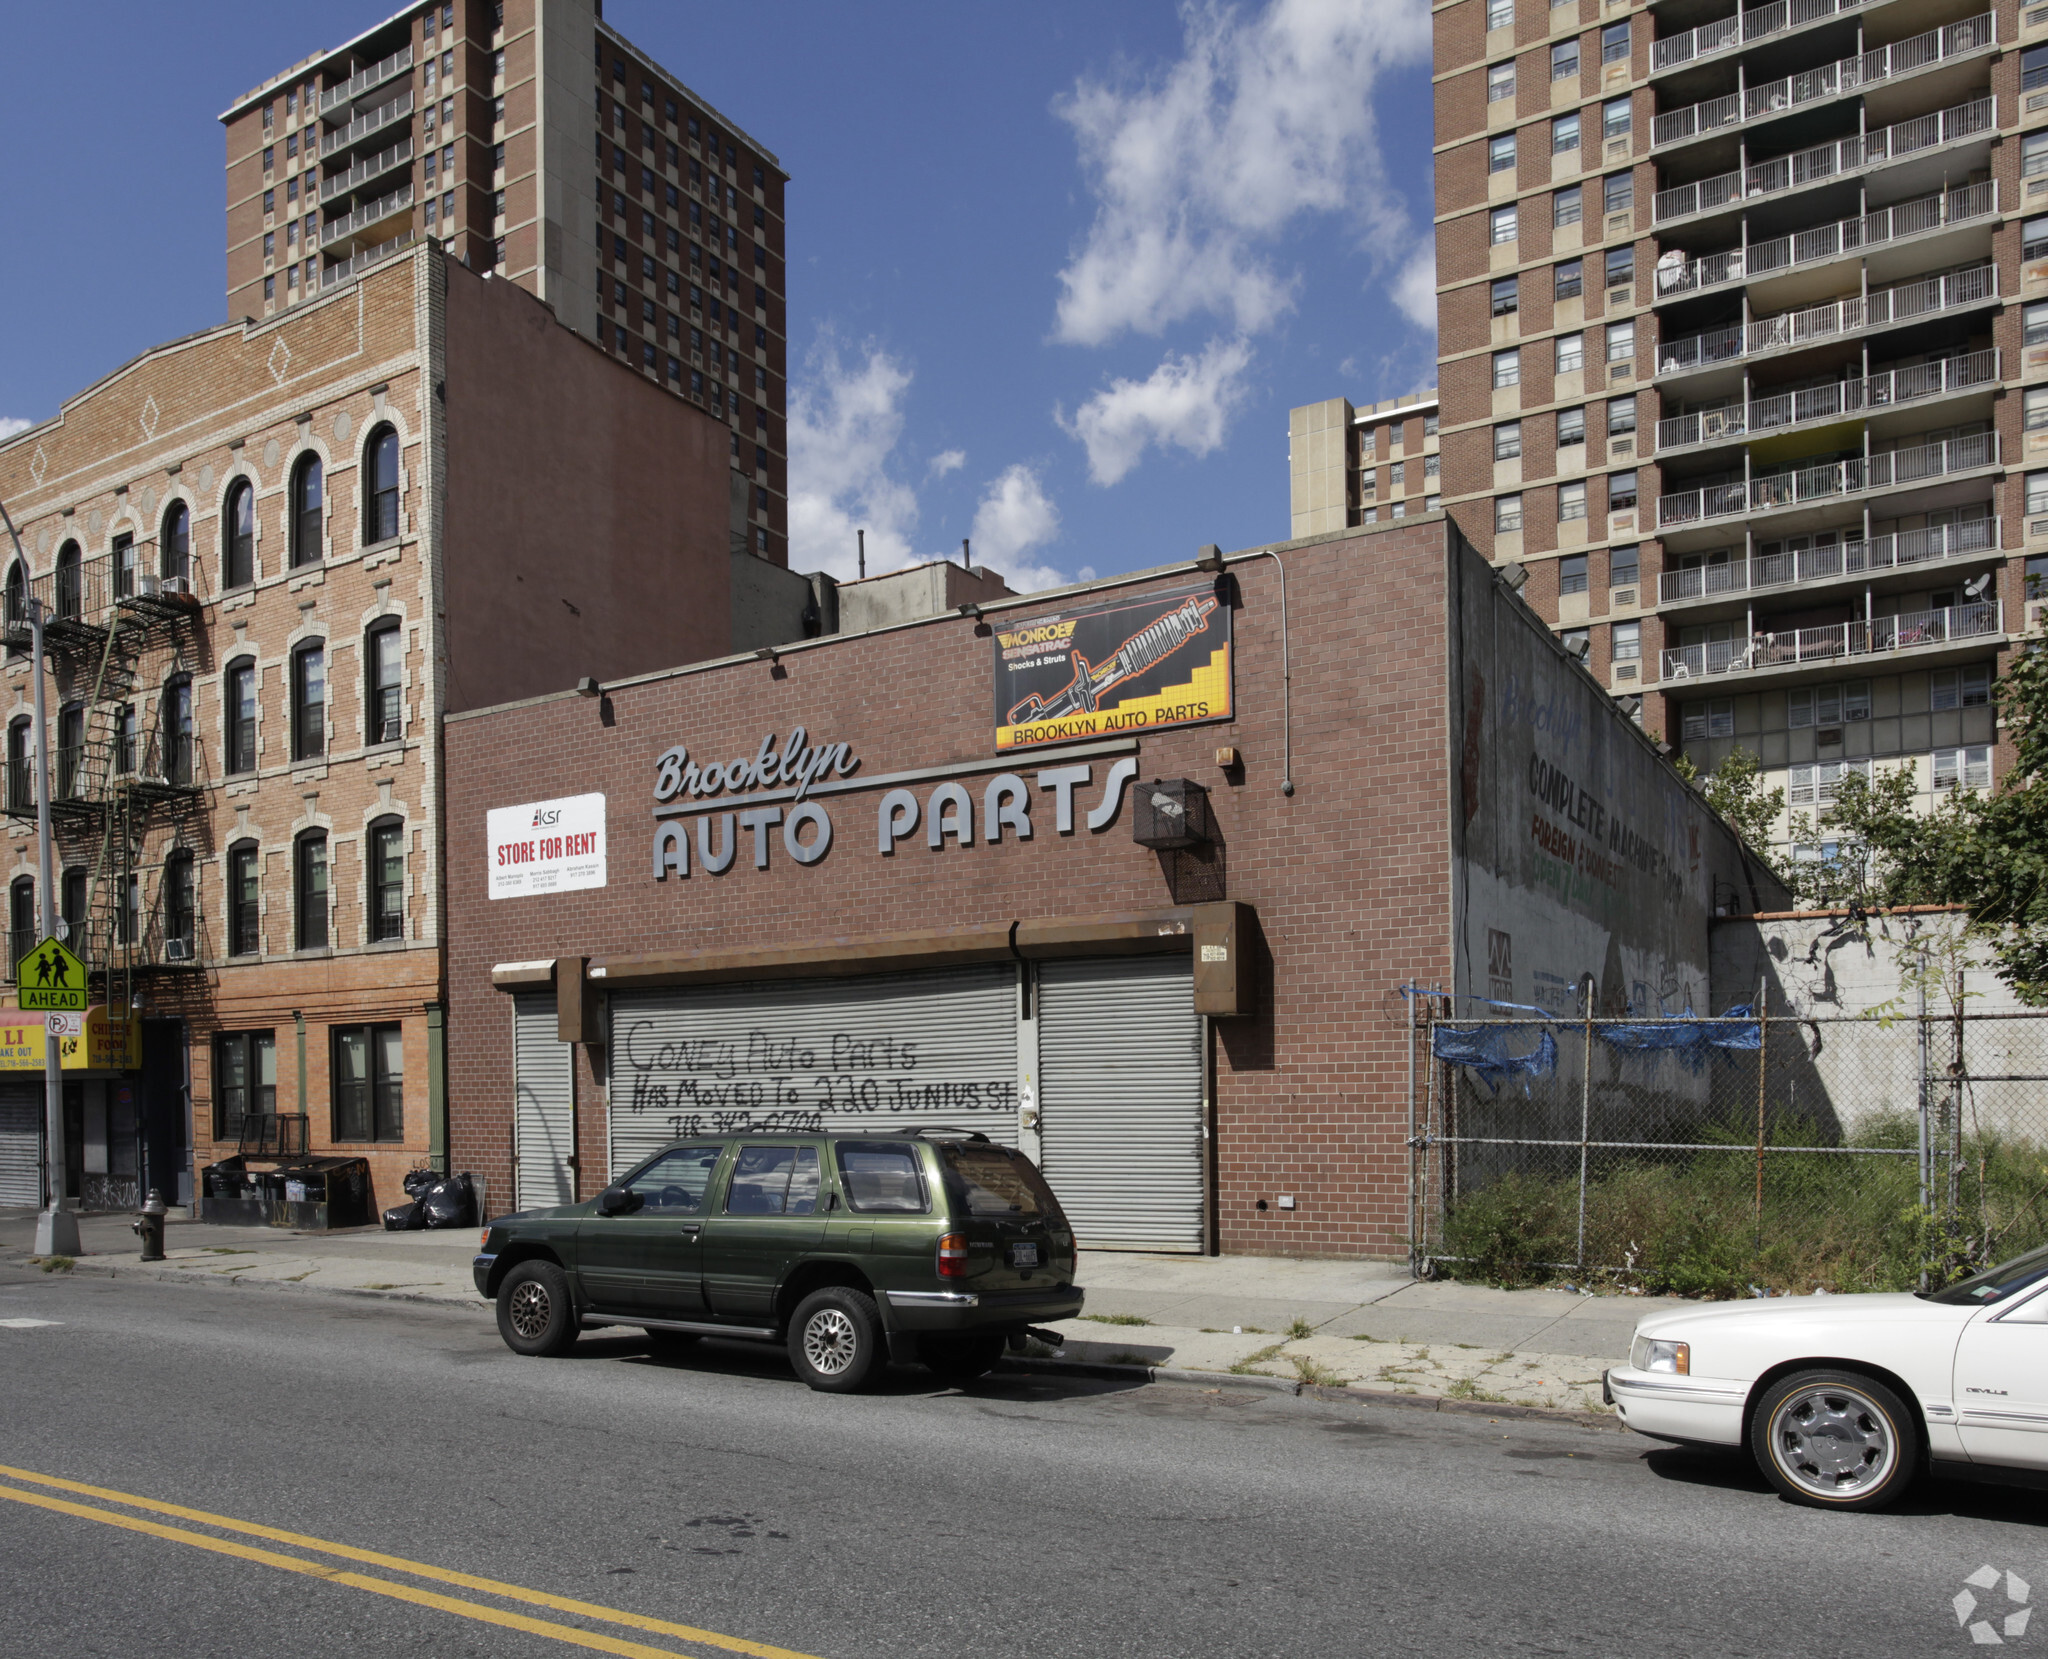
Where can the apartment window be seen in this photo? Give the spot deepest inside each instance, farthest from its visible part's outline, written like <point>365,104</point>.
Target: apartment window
<point>1617,118</point>
<point>1564,59</point>
<point>2034,154</point>
<point>71,890</point>
<point>269,122</point>
<point>70,585</point>
<point>1500,153</point>
<point>1429,426</point>
<point>1566,207</point>
<point>269,289</point>
<point>2037,577</point>
<point>1577,641</point>
<point>1501,224</point>
<point>1621,492</point>
<point>1500,14</point>
<point>1564,133</point>
<point>1507,514</point>
<point>1712,718</point>
<point>1571,504</point>
<point>2034,239</point>
<point>383,659</point>
<point>1568,279</point>
<point>70,750</point>
<point>1618,191</point>
<point>174,543</point>
<point>270,244</point>
<point>175,732</point>
<point>2037,493</point>
<point>1507,441</point>
<point>1397,475</point>
<point>387,879</point>
<point>306,502</point>
<point>309,701</point>
<point>1507,371</point>
<point>2036,406</point>
<point>1960,688</point>
<point>1621,416</point>
<point>239,692</point>
<point>1827,705</point>
<point>1627,641</point>
<point>1431,466</point>
<point>1962,768</point>
<point>1505,298</point>
<point>21,794</point>
<point>245,896</point>
<point>180,903</point>
<point>238,536</point>
<point>2033,68</point>
<point>1571,353</point>
<point>1500,81</point>
<point>309,856</point>
<point>1621,267</point>
<point>1621,342</point>
<point>380,486</point>
<point>369,1083</point>
<point>1614,43</point>
<point>244,1080</point>
<point>21,919</point>
<point>1571,427</point>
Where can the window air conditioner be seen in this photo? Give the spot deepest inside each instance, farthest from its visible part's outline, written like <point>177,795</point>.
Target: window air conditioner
<point>177,950</point>
<point>179,585</point>
<point>147,586</point>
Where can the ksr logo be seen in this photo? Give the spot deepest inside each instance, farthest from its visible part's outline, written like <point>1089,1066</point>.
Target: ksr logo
<point>546,815</point>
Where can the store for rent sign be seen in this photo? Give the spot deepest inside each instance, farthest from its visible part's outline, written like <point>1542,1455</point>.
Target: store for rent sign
<point>547,846</point>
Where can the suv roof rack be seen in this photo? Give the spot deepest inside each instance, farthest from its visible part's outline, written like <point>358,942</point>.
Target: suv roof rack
<point>948,1129</point>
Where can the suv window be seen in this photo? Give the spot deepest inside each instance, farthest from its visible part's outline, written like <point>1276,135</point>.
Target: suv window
<point>993,1180</point>
<point>883,1177</point>
<point>774,1180</point>
<point>674,1183</point>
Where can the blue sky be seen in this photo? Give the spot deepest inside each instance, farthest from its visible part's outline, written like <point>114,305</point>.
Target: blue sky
<point>1057,272</point>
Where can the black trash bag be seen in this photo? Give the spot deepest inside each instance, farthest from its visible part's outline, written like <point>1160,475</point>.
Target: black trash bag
<point>450,1203</point>
<point>405,1218</point>
<point>418,1180</point>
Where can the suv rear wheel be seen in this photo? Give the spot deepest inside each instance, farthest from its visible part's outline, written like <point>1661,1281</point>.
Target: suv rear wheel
<point>835,1339</point>
<point>536,1314</point>
<point>959,1359</point>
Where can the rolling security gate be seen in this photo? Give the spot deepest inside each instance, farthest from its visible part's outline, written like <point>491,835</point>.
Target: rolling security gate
<point>544,1110</point>
<point>1120,1081</point>
<point>884,1052</point>
<point>21,1144</point>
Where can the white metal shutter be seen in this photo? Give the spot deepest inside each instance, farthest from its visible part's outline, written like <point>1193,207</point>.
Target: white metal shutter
<point>21,1144</point>
<point>886,1052</point>
<point>1120,1100</point>
<point>544,1113</point>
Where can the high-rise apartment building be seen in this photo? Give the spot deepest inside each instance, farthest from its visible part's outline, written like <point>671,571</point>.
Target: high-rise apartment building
<point>534,142</point>
<point>1738,312</point>
<point>1351,466</point>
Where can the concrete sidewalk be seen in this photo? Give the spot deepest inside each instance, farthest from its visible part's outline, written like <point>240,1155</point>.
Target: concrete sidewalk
<point>1360,1325</point>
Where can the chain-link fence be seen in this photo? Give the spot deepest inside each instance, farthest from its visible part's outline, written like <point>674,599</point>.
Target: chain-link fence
<point>1717,1156</point>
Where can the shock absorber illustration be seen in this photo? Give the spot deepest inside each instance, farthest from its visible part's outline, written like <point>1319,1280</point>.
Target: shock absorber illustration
<point>1084,693</point>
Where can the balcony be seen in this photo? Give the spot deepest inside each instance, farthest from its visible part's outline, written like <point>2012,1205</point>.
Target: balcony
<point>1833,401</point>
<point>1727,33</point>
<point>372,122</point>
<point>1806,647</point>
<point>1830,80</point>
<point>363,260</point>
<point>1678,276</point>
<point>1881,555</point>
<point>372,213</point>
<point>1827,161</point>
<point>338,97</point>
<point>1774,492</point>
<point>1794,330</point>
<point>370,167</point>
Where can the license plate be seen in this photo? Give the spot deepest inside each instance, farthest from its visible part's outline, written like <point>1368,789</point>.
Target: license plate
<point>1023,1255</point>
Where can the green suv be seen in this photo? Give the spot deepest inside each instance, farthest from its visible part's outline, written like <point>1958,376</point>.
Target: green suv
<point>933,1247</point>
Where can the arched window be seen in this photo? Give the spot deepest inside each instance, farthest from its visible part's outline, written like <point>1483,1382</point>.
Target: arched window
<point>384,684</point>
<point>21,788</point>
<point>306,510</point>
<point>245,901</point>
<point>70,753</point>
<point>22,935</point>
<point>16,608</point>
<point>309,862</point>
<point>181,909</point>
<point>238,694</point>
<point>174,734</point>
<point>174,545</point>
<point>238,537</point>
<point>70,583</point>
<point>380,486</point>
<point>387,879</point>
<point>126,566</point>
<point>309,700</point>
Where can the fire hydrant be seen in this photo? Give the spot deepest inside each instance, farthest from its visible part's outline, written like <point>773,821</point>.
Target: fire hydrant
<point>149,1226</point>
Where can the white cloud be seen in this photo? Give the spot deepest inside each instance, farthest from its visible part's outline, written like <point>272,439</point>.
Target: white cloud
<point>947,460</point>
<point>1185,402</point>
<point>11,424</point>
<point>1015,516</point>
<point>1262,119</point>
<point>1414,289</point>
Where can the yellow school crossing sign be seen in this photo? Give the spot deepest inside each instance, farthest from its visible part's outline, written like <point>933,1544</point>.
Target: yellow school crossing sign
<point>50,980</point>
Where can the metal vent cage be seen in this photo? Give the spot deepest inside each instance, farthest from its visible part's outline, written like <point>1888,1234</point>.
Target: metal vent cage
<point>1169,813</point>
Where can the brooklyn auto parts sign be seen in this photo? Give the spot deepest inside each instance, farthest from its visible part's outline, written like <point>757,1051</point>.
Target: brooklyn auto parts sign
<point>547,846</point>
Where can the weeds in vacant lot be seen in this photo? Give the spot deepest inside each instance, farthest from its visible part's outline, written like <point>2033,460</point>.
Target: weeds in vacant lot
<point>1117,1318</point>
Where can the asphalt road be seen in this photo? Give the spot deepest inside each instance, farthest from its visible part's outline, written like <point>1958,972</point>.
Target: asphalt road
<point>1026,1516</point>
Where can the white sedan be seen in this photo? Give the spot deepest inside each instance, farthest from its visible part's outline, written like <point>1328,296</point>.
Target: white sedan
<point>1844,1400</point>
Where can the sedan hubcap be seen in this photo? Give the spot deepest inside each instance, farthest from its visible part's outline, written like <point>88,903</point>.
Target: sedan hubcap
<point>829,1341</point>
<point>1832,1442</point>
<point>530,1310</point>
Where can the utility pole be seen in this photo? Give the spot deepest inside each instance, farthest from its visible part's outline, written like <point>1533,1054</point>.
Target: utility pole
<point>56,1227</point>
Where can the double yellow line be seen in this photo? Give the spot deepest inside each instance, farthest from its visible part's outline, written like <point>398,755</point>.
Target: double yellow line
<point>479,1611</point>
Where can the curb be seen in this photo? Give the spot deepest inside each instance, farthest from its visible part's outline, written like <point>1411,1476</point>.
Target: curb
<point>175,1276</point>
<point>1311,1391</point>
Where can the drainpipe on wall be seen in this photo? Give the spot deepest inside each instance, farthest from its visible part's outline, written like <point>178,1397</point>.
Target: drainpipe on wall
<point>299,1020</point>
<point>437,1087</point>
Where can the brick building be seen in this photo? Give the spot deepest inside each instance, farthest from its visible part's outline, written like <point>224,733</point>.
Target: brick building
<point>956,871</point>
<point>530,138</point>
<point>1351,466</point>
<point>274,555</point>
<point>1736,318</point>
